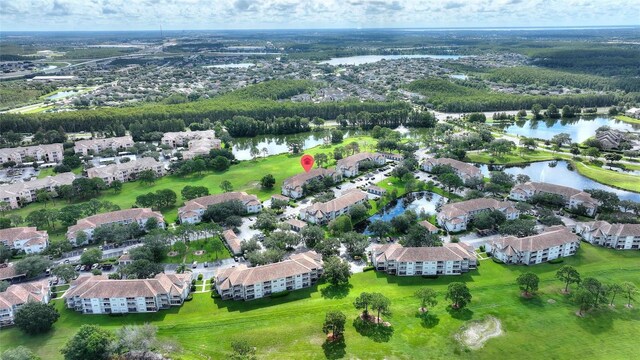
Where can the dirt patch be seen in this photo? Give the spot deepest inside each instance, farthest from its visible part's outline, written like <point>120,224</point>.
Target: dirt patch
<point>526,295</point>
<point>374,319</point>
<point>172,254</point>
<point>198,252</point>
<point>475,333</point>
<point>551,301</point>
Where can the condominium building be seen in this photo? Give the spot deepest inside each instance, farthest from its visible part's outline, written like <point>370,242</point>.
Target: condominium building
<point>19,294</point>
<point>572,197</point>
<point>122,217</point>
<point>450,259</point>
<point>27,239</point>
<point>193,210</point>
<point>455,217</point>
<point>350,166</point>
<point>182,138</point>
<point>49,153</point>
<point>21,193</point>
<point>245,283</point>
<point>555,242</point>
<point>127,171</point>
<point>615,236</point>
<point>462,169</point>
<point>100,295</point>
<point>234,243</point>
<point>322,213</point>
<point>96,146</point>
<point>293,187</point>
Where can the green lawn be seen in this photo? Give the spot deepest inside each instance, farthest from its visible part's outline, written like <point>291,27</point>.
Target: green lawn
<point>609,177</point>
<point>208,245</point>
<point>544,327</point>
<point>627,119</point>
<point>514,157</point>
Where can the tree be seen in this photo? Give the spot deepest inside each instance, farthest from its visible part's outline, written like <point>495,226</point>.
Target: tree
<point>242,350</point>
<point>147,176</point>
<point>569,275</point>
<point>336,136</point>
<point>334,324</point>
<point>32,265</point>
<point>91,256</point>
<point>459,294</point>
<point>355,243</point>
<point>267,182</point>
<point>4,285</point>
<point>341,224</point>
<point>427,297</point>
<point>535,110</point>
<point>65,272</point>
<point>336,271</point>
<point>529,143</point>
<point>226,186</point>
<point>69,215</point>
<point>5,253</point>
<point>592,152</point>
<point>381,304</point>
<point>419,236</point>
<point>561,139</point>
<point>500,146</point>
<point>358,212</point>
<point>220,163</point>
<point>528,283</point>
<point>116,185</point>
<point>613,290</point>
<point>19,353</point>
<point>132,338</point>
<point>266,220</point>
<point>321,159</point>
<point>552,111</point>
<point>379,228</point>
<point>451,181</point>
<point>142,269</point>
<point>35,317</point>
<point>489,219</point>
<point>43,196</point>
<point>192,192</point>
<point>362,302</point>
<point>584,299</point>
<point>609,201</point>
<point>477,117</point>
<point>519,227</point>
<point>312,235</point>
<point>629,290</point>
<point>595,287</point>
<point>90,342</point>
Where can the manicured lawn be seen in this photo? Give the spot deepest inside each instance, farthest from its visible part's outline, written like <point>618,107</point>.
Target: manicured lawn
<point>609,177</point>
<point>208,245</point>
<point>46,172</point>
<point>627,119</point>
<point>544,327</point>
<point>515,157</point>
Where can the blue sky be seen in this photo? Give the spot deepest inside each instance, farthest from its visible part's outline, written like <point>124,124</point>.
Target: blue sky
<point>282,14</point>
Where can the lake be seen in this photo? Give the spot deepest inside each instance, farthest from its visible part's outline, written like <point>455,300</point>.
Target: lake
<point>62,94</point>
<point>580,129</point>
<point>424,201</point>
<point>559,175</point>
<point>366,59</point>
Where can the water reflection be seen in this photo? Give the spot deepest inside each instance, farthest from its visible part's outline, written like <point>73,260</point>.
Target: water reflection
<point>424,201</point>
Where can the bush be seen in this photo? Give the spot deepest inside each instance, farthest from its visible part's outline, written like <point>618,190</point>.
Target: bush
<point>280,294</point>
<point>193,288</point>
<point>368,268</point>
<point>189,297</point>
<point>199,276</point>
<point>429,276</point>
<point>556,261</point>
<point>482,248</point>
<point>497,261</point>
<point>214,294</point>
<point>193,282</point>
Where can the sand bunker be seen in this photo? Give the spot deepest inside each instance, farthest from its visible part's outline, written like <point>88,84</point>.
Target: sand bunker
<point>475,333</point>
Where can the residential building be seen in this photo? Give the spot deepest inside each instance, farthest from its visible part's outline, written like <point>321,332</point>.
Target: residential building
<point>126,171</point>
<point>450,259</point>
<point>96,146</point>
<point>610,139</point>
<point>122,217</point>
<point>455,216</point>
<point>376,190</point>
<point>322,213</point>
<point>21,193</point>
<point>49,153</point>
<point>555,242</point>
<point>100,295</point>
<point>350,165</point>
<point>200,147</point>
<point>572,197</point>
<point>27,239</point>
<point>615,236</point>
<point>125,259</point>
<point>19,294</point>
<point>193,210</point>
<point>182,138</point>
<point>245,283</point>
<point>296,225</point>
<point>429,226</point>
<point>462,169</point>
<point>9,274</point>
<point>234,243</point>
<point>293,187</point>
<point>633,112</point>
<point>392,156</point>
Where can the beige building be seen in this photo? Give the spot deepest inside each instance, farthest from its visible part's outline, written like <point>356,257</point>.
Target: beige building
<point>322,213</point>
<point>98,145</point>
<point>615,236</point>
<point>27,239</point>
<point>349,166</point>
<point>21,193</point>
<point>572,197</point>
<point>122,217</point>
<point>462,169</point>
<point>234,243</point>
<point>244,283</point>
<point>455,217</point>
<point>293,186</point>
<point>555,242</point>
<point>197,142</point>
<point>126,172</point>
<point>193,210</point>
<point>49,153</point>
<point>17,295</point>
<point>450,259</point>
<point>100,295</point>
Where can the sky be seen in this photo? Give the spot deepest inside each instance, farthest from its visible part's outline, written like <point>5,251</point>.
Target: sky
<point>47,15</point>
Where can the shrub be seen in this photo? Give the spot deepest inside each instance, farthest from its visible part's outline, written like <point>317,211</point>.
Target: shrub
<point>199,276</point>
<point>556,261</point>
<point>497,261</point>
<point>189,297</point>
<point>482,248</point>
<point>280,294</point>
<point>193,282</point>
<point>429,276</point>
<point>193,288</point>
<point>368,268</point>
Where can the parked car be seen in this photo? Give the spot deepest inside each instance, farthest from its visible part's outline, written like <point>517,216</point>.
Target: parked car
<point>66,261</point>
<point>195,264</point>
<point>338,187</point>
<point>82,268</point>
<point>206,264</point>
<point>94,266</point>
<point>77,267</point>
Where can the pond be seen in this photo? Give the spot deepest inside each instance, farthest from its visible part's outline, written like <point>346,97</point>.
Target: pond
<point>580,129</point>
<point>559,175</point>
<point>62,94</point>
<point>366,59</point>
<point>424,201</point>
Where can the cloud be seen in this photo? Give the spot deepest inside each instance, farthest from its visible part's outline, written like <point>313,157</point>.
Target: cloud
<point>245,5</point>
<point>59,9</point>
<point>453,5</point>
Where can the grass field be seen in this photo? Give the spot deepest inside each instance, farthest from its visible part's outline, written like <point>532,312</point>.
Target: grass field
<point>544,327</point>
<point>609,177</point>
<point>187,256</point>
<point>627,119</point>
<point>514,157</point>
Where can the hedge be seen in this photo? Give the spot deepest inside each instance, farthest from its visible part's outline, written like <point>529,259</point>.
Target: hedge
<point>280,294</point>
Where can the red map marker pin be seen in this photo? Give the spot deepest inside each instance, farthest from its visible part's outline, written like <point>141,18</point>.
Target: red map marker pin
<point>307,162</point>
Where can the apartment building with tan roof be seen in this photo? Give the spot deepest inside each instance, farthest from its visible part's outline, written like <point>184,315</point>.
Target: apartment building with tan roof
<point>350,166</point>
<point>96,146</point>
<point>615,236</point>
<point>49,153</point>
<point>449,259</point>
<point>100,295</point>
<point>454,217</point>
<point>244,283</point>
<point>22,193</point>
<point>234,243</point>
<point>126,171</point>
<point>122,217</point>
<point>462,169</point>
<point>555,242</point>
<point>27,239</point>
<point>293,186</point>
<point>193,210</point>
<point>182,138</point>
<point>19,294</point>
<point>572,197</point>
<point>322,213</point>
